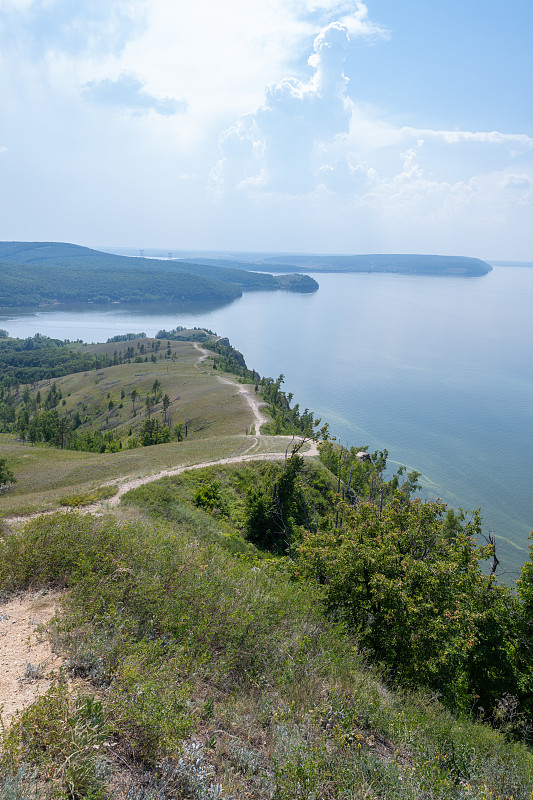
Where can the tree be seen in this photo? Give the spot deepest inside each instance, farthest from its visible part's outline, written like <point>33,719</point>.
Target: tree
<point>411,587</point>
<point>149,404</point>
<point>6,475</point>
<point>166,412</point>
<point>133,396</point>
<point>272,511</point>
<point>153,432</point>
<point>525,646</point>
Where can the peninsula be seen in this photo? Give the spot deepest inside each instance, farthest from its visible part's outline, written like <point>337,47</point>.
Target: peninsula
<point>33,273</point>
<point>403,264</point>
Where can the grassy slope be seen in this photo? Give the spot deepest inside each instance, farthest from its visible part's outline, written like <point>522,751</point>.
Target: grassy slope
<point>219,677</point>
<point>43,473</point>
<point>223,666</point>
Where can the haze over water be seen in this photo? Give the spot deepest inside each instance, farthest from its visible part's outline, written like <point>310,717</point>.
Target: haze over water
<point>437,370</point>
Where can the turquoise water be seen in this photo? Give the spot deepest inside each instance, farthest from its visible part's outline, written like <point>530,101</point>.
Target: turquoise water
<point>438,370</point>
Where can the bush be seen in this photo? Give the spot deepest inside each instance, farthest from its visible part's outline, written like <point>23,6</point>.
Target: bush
<point>410,585</point>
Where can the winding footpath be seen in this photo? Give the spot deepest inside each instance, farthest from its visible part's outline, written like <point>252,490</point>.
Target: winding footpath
<point>126,484</point>
<point>246,390</point>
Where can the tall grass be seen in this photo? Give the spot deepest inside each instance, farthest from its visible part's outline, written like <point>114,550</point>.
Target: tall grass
<point>219,677</point>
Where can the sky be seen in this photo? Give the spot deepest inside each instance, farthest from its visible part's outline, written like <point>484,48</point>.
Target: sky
<point>331,126</point>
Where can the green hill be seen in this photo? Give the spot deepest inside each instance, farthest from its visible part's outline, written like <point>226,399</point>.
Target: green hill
<point>46,272</point>
<point>403,264</point>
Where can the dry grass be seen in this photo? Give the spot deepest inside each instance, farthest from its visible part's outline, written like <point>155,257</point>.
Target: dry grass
<point>215,408</point>
<point>219,419</point>
<point>44,473</point>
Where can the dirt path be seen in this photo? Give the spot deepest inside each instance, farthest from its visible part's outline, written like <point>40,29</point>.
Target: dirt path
<point>167,473</point>
<point>247,391</point>
<point>27,664</point>
<point>127,483</point>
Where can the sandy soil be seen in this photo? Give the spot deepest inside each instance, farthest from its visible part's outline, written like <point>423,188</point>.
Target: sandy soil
<point>27,664</point>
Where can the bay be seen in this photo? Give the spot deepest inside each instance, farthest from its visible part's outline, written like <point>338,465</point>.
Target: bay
<point>437,370</point>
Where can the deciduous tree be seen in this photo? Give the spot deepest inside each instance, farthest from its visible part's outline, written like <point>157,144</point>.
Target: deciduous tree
<point>6,474</point>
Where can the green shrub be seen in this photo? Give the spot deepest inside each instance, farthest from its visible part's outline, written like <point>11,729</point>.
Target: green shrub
<point>88,498</point>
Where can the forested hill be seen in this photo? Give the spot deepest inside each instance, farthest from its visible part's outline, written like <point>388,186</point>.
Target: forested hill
<point>460,266</point>
<point>47,272</point>
<point>406,264</point>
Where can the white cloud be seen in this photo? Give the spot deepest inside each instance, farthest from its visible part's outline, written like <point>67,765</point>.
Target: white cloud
<point>516,191</point>
<point>518,142</point>
<point>302,155</point>
<point>128,94</point>
<point>343,177</point>
<point>282,140</point>
<point>353,14</point>
<point>517,182</point>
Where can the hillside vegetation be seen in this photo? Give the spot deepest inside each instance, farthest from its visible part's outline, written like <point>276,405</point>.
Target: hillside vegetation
<point>293,628</point>
<point>33,273</point>
<point>414,264</point>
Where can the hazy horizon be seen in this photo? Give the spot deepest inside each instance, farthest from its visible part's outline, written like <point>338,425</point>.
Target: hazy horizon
<point>319,126</point>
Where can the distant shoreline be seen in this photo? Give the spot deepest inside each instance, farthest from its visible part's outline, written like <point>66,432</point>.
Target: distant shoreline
<point>511,263</point>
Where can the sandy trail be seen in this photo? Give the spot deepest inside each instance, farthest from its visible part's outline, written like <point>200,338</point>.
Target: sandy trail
<point>27,664</point>
<point>247,391</point>
<point>127,483</point>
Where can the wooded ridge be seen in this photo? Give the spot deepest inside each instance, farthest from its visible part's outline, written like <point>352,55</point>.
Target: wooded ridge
<point>33,273</point>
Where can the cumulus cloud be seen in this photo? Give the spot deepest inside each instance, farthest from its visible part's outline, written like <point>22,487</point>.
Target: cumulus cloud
<point>310,136</point>
<point>343,177</point>
<point>517,182</point>
<point>411,193</point>
<point>517,190</point>
<point>353,14</point>
<point>518,142</point>
<point>280,147</point>
<point>127,93</point>
<point>43,26</point>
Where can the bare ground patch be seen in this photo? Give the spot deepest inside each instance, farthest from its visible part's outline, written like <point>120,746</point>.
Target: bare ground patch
<point>27,663</point>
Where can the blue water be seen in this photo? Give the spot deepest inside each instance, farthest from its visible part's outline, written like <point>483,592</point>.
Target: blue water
<point>438,370</point>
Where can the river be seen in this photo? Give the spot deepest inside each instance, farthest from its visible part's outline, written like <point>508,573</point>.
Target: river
<point>437,370</point>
